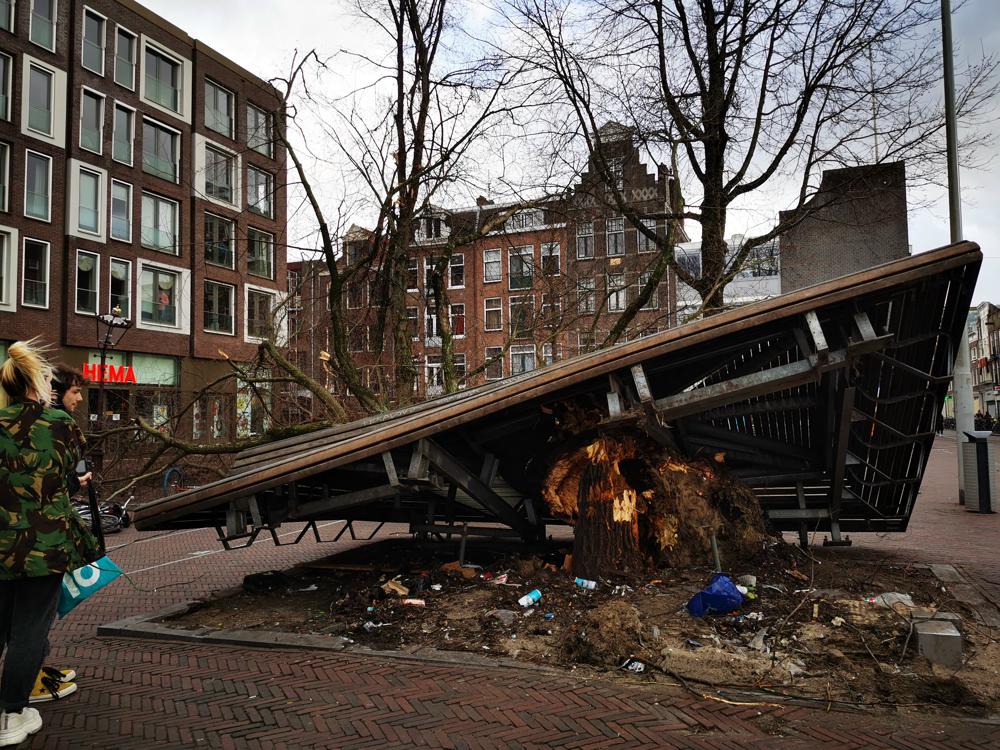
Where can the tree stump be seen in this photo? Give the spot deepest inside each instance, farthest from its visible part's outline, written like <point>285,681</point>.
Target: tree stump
<point>635,505</point>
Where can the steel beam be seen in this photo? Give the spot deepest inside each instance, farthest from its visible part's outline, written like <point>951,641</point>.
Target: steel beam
<point>760,383</point>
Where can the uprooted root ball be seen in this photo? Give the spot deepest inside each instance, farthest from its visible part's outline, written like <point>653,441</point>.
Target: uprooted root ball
<point>636,505</point>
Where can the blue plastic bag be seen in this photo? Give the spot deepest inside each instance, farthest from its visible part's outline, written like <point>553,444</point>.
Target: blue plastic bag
<point>720,596</point>
<point>82,582</point>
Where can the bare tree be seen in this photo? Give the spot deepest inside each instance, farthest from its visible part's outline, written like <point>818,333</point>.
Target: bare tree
<point>432,98</point>
<point>753,93</point>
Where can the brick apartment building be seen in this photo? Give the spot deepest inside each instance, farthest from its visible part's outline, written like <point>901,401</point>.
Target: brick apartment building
<point>138,171</point>
<point>552,281</point>
<point>546,284</point>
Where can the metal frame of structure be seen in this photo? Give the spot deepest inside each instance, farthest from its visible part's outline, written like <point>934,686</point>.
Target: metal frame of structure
<point>824,401</point>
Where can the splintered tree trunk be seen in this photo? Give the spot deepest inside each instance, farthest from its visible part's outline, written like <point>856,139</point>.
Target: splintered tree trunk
<point>635,505</point>
<point>606,539</point>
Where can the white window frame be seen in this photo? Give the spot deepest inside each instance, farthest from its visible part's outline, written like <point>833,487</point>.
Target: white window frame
<point>84,91</point>
<point>619,232</point>
<point>247,288</point>
<point>5,149</point>
<point>580,233</point>
<point>231,133</point>
<point>654,299</point>
<point>182,298</point>
<point>177,221</point>
<point>586,295</point>
<point>519,252</point>
<point>548,354</point>
<point>98,200</point>
<point>643,243</point>
<point>498,262</point>
<point>52,99</point>
<point>57,102</point>
<point>232,239</point>
<point>48,272</point>
<point>177,149</point>
<point>269,145</point>
<point>617,293</point>
<point>97,281</point>
<point>270,196</point>
<point>131,211</point>
<point>451,319</point>
<point>548,246</point>
<point>487,309</point>
<point>452,264</point>
<point>413,264</point>
<point>434,363</point>
<point>273,258</point>
<point>55,25</point>
<point>201,146</point>
<point>527,333</point>
<point>104,39</point>
<point>131,293</point>
<point>416,318</point>
<point>232,307</point>
<point>74,167</point>
<point>48,212</point>
<point>8,23</point>
<point>522,350</point>
<point>431,331</point>
<point>9,256</point>
<point>119,29</point>
<point>6,85</point>
<point>498,356</point>
<point>184,97</point>
<point>133,116</point>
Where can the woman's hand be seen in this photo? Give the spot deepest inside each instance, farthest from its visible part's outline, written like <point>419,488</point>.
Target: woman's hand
<point>85,479</point>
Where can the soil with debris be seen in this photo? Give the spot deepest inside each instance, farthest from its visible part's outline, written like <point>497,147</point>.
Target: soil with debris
<point>811,630</point>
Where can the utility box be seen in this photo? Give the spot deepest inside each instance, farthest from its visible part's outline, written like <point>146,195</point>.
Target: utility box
<point>979,465</point>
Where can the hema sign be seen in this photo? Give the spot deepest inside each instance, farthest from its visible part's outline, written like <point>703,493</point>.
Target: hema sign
<point>110,374</point>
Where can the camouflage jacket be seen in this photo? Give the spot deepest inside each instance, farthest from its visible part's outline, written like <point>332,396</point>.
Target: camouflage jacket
<point>40,533</point>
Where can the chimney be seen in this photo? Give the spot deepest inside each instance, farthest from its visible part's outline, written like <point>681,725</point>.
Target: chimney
<point>482,200</point>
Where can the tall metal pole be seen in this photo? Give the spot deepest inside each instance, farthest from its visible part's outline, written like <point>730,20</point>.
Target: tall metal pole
<point>962,378</point>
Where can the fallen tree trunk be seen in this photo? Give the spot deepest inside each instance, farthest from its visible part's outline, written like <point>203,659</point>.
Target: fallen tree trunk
<point>636,506</point>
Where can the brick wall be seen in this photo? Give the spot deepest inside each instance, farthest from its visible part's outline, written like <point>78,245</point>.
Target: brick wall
<point>856,220</point>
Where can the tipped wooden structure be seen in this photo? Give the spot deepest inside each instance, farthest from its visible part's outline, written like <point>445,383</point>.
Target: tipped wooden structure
<point>824,401</point>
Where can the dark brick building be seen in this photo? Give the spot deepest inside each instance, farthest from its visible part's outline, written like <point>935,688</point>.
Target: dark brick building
<point>138,171</point>
<point>539,281</point>
<point>856,220</point>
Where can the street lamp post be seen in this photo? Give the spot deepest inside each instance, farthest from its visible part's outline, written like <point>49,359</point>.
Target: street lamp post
<point>961,376</point>
<point>110,330</point>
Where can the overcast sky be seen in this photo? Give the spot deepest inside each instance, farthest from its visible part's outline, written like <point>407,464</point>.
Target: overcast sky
<point>264,40</point>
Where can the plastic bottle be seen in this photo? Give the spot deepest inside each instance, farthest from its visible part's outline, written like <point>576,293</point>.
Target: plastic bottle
<point>583,583</point>
<point>530,598</point>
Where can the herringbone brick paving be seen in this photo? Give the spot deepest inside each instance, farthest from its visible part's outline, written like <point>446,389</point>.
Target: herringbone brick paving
<point>141,694</point>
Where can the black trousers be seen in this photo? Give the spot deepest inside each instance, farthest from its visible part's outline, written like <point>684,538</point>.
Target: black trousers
<point>27,610</point>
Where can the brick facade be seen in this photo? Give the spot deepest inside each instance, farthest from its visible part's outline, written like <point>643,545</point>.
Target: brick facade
<point>117,65</point>
<point>856,220</point>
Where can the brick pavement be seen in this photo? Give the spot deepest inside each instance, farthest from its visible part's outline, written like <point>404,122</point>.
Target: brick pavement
<point>139,694</point>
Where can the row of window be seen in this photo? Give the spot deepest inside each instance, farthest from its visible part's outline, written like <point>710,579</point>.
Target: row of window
<point>160,216</point>
<point>522,308</point>
<point>614,244</point>
<point>160,290</point>
<point>164,74</point>
<point>161,144</point>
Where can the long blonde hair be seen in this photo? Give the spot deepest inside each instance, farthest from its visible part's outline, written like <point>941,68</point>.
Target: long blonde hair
<point>26,369</point>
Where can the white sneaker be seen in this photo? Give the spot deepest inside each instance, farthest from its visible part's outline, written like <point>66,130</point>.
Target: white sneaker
<point>15,728</point>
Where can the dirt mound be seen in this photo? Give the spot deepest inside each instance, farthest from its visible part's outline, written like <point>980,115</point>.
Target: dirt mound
<point>603,636</point>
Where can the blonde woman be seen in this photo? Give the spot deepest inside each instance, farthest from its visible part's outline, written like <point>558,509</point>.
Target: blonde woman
<point>41,537</point>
